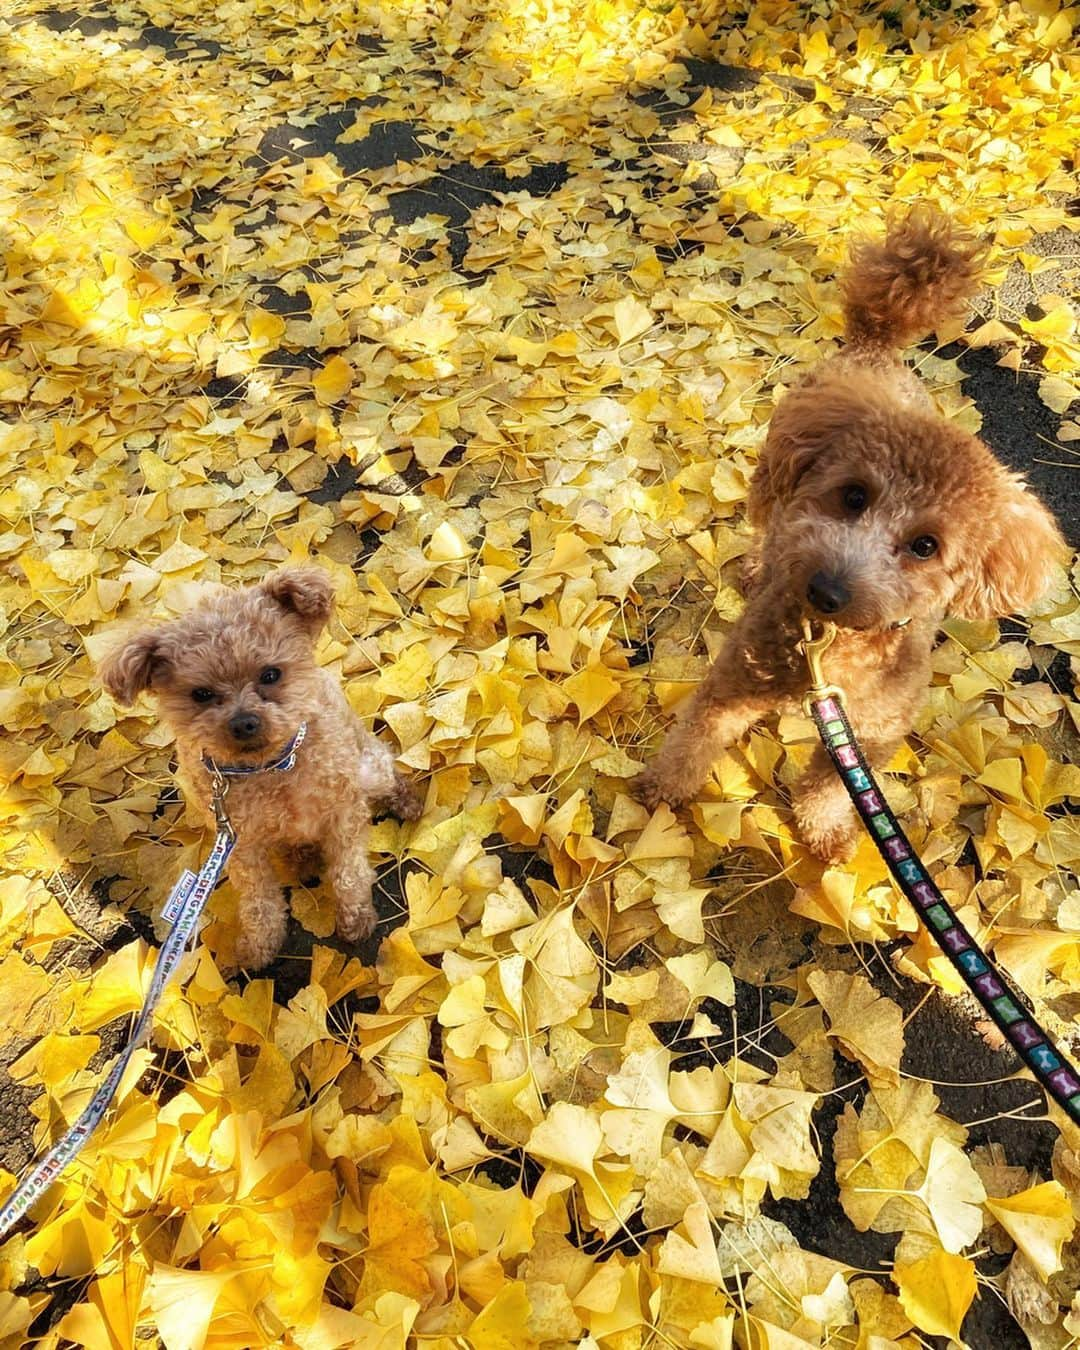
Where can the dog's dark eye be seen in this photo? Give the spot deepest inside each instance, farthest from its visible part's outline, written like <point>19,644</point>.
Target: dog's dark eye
<point>925,546</point>
<point>202,694</point>
<point>855,498</point>
<point>270,675</point>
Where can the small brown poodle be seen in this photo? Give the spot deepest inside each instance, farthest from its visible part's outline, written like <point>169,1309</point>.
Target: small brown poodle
<point>234,680</point>
<point>873,512</point>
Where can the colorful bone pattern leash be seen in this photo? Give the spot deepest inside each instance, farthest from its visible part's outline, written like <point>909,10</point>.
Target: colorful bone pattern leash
<point>1057,1075</point>
<point>184,907</point>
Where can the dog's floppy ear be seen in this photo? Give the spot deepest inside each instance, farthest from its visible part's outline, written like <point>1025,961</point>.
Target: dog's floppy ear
<point>306,592</point>
<point>1016,565</point>
<point>130,668</point>
<point>807,420</point>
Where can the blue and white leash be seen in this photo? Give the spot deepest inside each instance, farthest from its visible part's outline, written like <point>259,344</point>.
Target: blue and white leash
<point>183,910</point>
<point>184,907</point>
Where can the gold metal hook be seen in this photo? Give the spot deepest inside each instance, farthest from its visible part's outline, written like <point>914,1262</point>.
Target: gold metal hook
<point>220,790</point>
<point>814,648</point>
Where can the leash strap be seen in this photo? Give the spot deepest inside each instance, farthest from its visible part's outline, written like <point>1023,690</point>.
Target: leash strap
<point>1057,1075</point>
<point>185,905</point>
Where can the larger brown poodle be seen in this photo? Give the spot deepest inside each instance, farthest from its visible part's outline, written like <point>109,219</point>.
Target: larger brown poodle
<point>874,512</point>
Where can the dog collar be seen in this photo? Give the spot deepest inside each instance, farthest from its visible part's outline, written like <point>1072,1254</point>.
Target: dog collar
<point>284,762</point>
<point>900,623</point>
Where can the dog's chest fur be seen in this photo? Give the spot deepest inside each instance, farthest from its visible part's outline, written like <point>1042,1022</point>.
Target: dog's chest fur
<point>291,807</point>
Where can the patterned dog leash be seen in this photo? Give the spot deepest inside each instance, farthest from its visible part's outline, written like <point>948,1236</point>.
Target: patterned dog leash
<point>183,910</point>
<point>824,703</point>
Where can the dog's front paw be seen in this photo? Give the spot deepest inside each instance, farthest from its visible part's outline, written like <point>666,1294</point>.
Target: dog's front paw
<point>651,788</point>
<point>262,921</point>
<point>258,949</point>
<point>833,847</point>
<point>405,801</point>
<point>827,825</point>
<point>356,922</point>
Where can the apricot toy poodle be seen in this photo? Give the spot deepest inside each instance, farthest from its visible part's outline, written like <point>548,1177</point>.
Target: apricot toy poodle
<point>234,680</point>
<point>872,511</point>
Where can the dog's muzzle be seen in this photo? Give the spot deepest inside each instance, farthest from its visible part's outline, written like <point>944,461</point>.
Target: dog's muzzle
<point>827,594</point>
<point>245,726</point>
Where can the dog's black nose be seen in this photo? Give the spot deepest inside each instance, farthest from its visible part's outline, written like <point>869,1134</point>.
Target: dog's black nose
<point>827,594</point>
<point>244,726</point>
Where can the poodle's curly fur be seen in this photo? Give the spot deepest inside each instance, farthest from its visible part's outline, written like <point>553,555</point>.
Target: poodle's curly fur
<point>221,652</point>
<point>858,471</point>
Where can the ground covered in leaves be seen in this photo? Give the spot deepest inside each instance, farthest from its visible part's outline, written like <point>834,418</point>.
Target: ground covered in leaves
<point>484,308</point>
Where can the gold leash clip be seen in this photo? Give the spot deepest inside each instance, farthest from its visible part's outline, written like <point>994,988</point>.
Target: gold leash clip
<point>220,790</point>
<point>814,648</point>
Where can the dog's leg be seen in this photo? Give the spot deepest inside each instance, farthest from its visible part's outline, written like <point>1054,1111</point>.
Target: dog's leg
<point>381,779</point>
<point>827,821</point>
<point>717,715</point>
<point>262,912</point>
<point>350,873</point>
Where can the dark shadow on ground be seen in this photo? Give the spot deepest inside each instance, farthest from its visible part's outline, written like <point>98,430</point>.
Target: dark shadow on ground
<point>1022,431</point>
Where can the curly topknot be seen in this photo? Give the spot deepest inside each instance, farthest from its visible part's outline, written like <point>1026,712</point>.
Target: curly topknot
<point>921,274</point>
